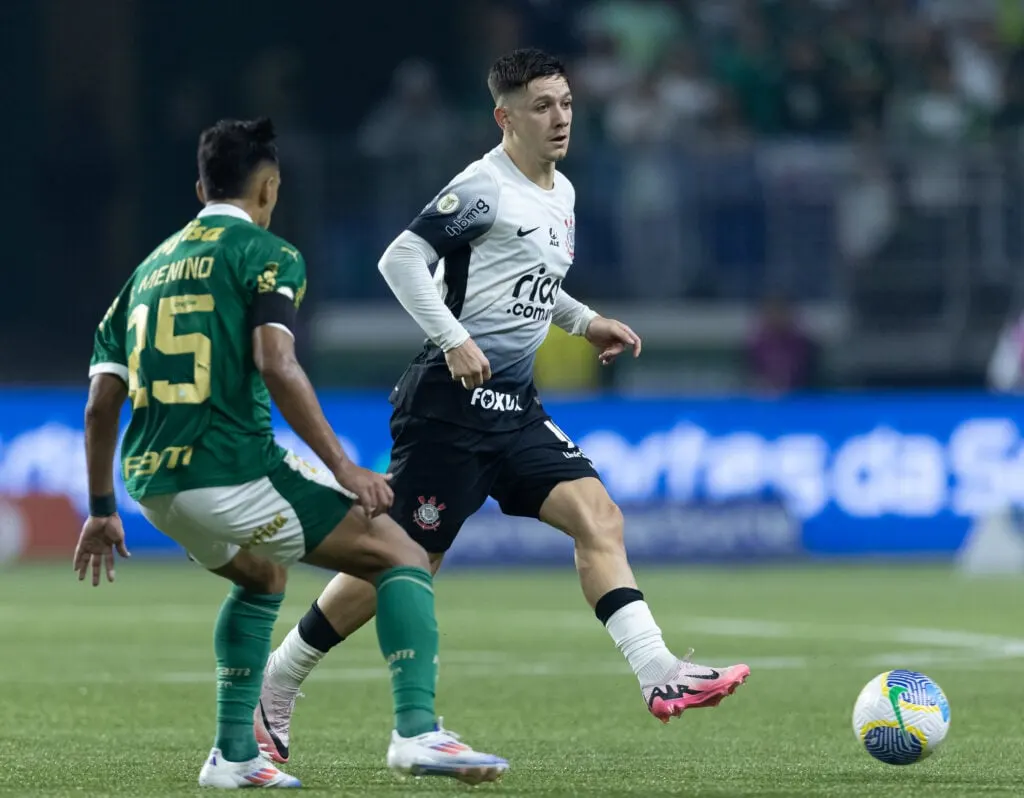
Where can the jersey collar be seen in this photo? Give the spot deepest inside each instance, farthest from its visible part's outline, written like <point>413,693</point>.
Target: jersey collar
<point>223,209</point>
<point>518,175</point>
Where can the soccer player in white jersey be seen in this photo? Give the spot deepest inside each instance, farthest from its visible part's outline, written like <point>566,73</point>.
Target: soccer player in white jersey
<point>467,422</point>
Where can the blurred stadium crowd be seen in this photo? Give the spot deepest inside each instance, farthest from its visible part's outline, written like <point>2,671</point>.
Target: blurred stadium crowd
<point>724,148</point>
<point>859,153</point>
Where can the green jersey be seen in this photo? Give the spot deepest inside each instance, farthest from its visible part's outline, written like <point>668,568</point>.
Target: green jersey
<point>180,335</point>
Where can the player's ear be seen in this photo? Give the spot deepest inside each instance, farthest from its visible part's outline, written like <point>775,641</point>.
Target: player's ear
<point>266,190</point>
<point>501,117</point>
<point>200,193</point>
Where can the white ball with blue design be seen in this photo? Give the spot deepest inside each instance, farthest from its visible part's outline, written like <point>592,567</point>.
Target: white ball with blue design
<point>901,717</point>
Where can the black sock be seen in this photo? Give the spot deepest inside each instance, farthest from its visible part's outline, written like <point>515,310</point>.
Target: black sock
<point>614,600</point>
<point>316,631</point>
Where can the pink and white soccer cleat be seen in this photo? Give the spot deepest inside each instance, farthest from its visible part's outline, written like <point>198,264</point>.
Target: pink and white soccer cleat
<point>259,772</point>
<point>692,686</point>
<point>272,720</point>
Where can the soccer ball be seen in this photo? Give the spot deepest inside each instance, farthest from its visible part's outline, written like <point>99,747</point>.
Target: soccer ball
<point>901,717</point>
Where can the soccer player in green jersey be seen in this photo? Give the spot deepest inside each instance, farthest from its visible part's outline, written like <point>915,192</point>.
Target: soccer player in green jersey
<point>199,340</point>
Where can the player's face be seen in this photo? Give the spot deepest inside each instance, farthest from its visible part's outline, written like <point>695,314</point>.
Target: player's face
<point>542,117</point>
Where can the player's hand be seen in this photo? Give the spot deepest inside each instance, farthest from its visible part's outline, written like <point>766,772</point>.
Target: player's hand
<point>100,536</point>
<point>468,365</point>
<point>612,338</point>
<point>373,493</point>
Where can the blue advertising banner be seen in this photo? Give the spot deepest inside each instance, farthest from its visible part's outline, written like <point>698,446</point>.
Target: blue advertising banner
<point>699,479</point>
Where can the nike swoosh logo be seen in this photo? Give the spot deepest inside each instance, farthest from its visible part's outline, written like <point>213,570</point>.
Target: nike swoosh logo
<point>521,232</point>
<point>711,675</point>
<point>894,699</point>
<point>281,748</point>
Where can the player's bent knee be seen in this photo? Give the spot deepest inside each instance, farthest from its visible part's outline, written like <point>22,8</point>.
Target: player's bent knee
<point>366,547</point>
<point>591,519</point>
<point>400,550</point>
<point>583,510</point>
<point>602,526</point>
<point>255,574</point>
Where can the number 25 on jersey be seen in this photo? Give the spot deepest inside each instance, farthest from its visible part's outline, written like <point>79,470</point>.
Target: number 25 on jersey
<point>166,342</point>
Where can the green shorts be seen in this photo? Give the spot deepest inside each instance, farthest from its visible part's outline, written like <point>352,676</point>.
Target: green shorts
<point>281,516</point>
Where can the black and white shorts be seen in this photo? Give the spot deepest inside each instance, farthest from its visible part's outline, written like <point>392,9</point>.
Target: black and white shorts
<point>443,473</point>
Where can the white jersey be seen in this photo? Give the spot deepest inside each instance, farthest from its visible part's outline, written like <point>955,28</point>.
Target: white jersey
<point>504,246</point>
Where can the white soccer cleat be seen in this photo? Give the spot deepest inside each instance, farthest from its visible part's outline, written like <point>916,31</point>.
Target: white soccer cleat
<point>439,753</point>
<point>258,772</point>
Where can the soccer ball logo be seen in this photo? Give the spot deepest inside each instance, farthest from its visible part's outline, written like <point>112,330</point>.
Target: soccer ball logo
<point>428,514</point>
<point>901,717</point>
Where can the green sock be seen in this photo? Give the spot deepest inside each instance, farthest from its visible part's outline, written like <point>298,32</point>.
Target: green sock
<point>407,633</point>
<point>241,640</point>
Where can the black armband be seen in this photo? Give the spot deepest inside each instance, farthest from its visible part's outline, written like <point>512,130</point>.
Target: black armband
<point>102,506</point>
<point>273,308</point>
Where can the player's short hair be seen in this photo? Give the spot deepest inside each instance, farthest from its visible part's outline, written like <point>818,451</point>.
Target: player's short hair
<point>517,69</point>
<point>230,151</point>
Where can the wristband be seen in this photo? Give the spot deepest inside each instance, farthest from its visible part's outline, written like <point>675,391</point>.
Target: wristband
<point>102,506</point>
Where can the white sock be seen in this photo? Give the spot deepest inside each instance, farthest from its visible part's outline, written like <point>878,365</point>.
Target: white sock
<point>292,662</point>
<point>639,639</point>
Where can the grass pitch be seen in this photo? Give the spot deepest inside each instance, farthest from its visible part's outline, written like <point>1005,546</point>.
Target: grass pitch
<point>110,691</point>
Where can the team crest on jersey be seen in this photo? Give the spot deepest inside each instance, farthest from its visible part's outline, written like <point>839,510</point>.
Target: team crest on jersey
<point>449,203</point>
<point>570,236</point>
<point>428,514</point>
<point>266,283</point>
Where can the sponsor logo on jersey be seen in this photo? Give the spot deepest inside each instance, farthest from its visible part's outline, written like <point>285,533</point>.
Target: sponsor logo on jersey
<point>495,400</point>
<point>534,295</point>
<point>148,463</point>
<point>464,220</point>
<point>265,532</point>
<point>553,237</point>
<point>428,515</point>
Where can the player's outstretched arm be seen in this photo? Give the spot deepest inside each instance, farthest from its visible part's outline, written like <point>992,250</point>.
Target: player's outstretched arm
<point>274,355</point>
<point>102,532</point>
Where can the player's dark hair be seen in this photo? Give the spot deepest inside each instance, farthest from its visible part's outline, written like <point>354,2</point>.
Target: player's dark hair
<point>229,153</point>
<point>517,69</point>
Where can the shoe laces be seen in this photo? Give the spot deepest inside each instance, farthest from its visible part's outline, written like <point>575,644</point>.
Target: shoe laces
<point>687,665</point>
<point>283,704</point>
<point>441,731</point>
